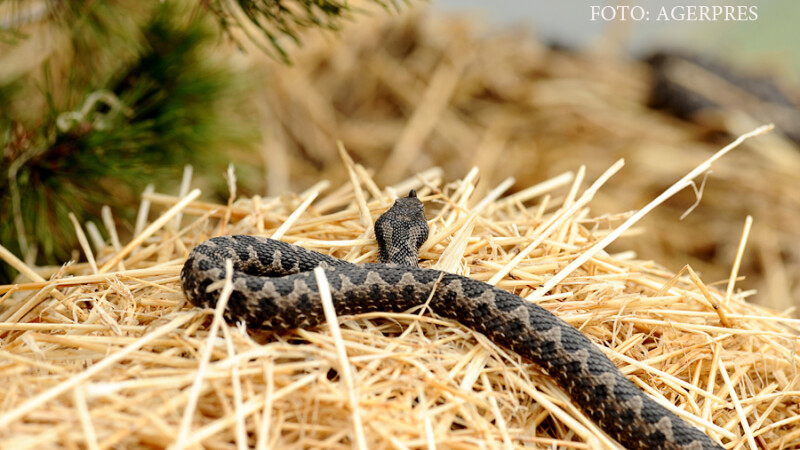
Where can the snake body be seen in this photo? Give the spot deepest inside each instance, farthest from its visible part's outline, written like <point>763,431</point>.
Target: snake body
<point>274,288</point>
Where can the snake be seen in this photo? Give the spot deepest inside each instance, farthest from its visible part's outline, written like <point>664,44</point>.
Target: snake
<point>275,288</point>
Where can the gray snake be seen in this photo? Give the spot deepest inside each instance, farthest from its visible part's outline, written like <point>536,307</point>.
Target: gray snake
<point>275,288</point>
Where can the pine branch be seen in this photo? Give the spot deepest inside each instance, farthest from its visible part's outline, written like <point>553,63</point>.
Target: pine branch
<point>131,95</point>
<point>278,20</point>
<point>111,125</point>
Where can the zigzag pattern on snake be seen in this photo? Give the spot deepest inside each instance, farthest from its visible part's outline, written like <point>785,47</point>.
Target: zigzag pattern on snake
<point>275,288</point>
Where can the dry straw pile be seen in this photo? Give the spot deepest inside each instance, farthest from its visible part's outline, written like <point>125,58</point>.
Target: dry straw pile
<point>408,93</point>
<point>105,354</point>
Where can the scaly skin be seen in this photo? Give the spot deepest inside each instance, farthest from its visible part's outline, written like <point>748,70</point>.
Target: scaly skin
<point>275,288</point>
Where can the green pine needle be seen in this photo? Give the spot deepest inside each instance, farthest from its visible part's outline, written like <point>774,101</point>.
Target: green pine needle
<point>278,20</point>
<point>113,124</point>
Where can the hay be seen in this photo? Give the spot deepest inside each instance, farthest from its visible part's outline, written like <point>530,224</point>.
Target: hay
<point>105,354</point>
<point>416,91</point>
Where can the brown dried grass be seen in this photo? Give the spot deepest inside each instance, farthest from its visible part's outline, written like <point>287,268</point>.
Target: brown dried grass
<point>416,91</point>
<point>105,354</point>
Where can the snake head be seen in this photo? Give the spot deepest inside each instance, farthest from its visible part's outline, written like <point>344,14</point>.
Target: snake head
<point>401,231</point>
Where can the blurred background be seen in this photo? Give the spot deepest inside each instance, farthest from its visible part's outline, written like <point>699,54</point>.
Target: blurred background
<point>99,99</point>
<point>768,40</point>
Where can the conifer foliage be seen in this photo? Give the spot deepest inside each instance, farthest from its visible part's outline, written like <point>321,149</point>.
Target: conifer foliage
<point>122,93</point>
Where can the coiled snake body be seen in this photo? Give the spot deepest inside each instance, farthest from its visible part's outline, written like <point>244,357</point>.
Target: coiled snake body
<point>275,288</point>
